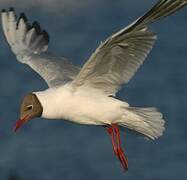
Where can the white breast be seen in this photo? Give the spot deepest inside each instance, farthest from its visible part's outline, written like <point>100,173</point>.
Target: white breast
<point>86,106</point>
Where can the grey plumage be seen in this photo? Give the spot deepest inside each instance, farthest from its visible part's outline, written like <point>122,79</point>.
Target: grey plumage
<point>30,44</point>
<point>84,96</point>
<point>117,59</point>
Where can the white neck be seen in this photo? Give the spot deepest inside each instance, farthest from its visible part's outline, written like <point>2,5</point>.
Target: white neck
<point>53,100</point>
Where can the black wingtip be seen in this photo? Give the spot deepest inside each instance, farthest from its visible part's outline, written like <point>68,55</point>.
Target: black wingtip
<point>37,27</point>
<point>3,10</point>
<point>23,16</point>
<point>11,9</point>
<point>46,35</point>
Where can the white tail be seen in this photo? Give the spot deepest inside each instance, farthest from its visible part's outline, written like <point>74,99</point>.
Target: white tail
<point>147,121</point>
<point>24,39</point>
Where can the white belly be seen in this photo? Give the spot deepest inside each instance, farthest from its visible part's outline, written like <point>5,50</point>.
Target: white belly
<point>86,106</point>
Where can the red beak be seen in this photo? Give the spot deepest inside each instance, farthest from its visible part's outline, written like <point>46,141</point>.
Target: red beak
<point>20,123</point>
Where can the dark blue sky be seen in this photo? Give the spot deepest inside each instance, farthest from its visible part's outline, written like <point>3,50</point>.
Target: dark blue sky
<point>46,150</point>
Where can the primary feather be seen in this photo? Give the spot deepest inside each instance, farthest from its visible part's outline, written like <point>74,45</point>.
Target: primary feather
<point>88,92</point>
<point>30,43</point>
<point>117,59</point>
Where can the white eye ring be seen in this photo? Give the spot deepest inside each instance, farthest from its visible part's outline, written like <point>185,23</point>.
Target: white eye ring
<point>30,106</point>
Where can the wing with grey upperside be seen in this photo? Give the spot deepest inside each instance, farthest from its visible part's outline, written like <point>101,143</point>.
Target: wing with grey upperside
<point>117,59</point>
<point>30,43</point>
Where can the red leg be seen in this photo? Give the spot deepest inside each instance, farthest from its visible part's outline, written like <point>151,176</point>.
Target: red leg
<point>121,155</point>
<point>116,143</point>
<point>111,133</point>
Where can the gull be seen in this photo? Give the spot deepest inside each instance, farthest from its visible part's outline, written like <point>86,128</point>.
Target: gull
<point>87,95</point>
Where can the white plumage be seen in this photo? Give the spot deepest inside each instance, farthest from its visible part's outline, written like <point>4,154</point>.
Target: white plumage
<point>90,106</point>
<point>84,96</point>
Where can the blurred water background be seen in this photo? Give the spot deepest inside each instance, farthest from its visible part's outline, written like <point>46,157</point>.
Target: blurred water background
<point>48,150</point>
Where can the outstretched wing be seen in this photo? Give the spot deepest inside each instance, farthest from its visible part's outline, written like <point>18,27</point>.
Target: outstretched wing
<point>29,43</point>
<point>117,59</point>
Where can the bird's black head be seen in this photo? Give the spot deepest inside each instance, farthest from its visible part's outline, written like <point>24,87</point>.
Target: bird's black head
<point>30,108</point>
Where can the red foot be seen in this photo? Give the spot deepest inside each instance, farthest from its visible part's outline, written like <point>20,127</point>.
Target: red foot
<point>114,133</point>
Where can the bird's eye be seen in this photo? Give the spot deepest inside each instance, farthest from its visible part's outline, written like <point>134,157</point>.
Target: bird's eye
<point>29,107</point>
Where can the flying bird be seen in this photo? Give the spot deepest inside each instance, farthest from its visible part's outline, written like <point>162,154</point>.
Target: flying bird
<point>87,95</point>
